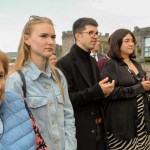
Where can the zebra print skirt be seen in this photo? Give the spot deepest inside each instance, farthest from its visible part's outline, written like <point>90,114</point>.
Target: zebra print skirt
<point>141,142</point>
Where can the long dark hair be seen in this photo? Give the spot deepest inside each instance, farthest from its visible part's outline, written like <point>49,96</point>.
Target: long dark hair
<point>115,42</point>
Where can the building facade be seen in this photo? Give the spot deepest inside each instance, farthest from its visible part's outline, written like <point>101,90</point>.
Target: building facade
<point>104,43</point>
<point>142,47</point>
<point>58,50</point>
<point>143,42</point>
<point>67,41</point>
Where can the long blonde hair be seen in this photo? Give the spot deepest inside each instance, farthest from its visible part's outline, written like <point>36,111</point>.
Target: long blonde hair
<point>23,52</point>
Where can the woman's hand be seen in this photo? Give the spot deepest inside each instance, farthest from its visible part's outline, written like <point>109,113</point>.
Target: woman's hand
<point>146,84</point>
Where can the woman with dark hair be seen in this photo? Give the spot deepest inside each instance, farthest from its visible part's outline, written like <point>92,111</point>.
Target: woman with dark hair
<point>127,115</point>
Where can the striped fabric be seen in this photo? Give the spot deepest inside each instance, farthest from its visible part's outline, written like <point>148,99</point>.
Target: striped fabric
<point>141,142</point>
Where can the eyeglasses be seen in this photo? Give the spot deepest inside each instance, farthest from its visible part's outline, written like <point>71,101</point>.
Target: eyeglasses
<point>93,34</point>
<point>1,127</point>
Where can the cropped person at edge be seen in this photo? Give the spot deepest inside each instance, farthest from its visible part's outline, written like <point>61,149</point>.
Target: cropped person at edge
<point>16,129</point>
<point>127,113</point>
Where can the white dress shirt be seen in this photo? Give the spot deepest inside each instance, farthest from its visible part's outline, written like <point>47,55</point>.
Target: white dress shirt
<point>94,55</point>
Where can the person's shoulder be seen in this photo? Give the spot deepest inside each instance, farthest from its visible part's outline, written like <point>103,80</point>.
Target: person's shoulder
<point>13,75</point>
<point>64,61</point>
<point>60,75</point>
<point>103,59</point>
<point>135,61</point>
<point>11,96</point>
<point>58,71</point>
<point>64,58</point>
<point>109,61</point>
<point>70,55</point>
<point>100,55</point>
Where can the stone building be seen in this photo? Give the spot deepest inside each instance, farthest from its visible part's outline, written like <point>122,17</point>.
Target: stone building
<point>142,49</point>
<point>58,50</point>
<point>67,41</point>
<point>143,42</point>
<point>104,43</point>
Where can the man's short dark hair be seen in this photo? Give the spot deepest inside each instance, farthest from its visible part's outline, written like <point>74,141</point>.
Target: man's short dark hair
<point>79,25</point>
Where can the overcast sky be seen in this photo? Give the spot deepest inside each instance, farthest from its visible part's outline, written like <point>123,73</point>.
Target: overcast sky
<point>110,15</point>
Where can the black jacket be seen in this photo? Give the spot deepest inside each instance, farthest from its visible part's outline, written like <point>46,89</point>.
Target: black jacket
<point>84,95</point>
<point>121,106</point>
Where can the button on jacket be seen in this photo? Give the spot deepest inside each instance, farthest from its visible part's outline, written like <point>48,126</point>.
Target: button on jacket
<point>53,114</point>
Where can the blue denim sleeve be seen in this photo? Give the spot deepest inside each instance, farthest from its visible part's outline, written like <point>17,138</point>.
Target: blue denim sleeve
<point>69,120</point>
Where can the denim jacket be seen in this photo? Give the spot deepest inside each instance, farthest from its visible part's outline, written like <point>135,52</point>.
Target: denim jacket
<point>52,112</point>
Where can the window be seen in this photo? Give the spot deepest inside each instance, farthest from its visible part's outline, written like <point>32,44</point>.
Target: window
<point>147,47</point>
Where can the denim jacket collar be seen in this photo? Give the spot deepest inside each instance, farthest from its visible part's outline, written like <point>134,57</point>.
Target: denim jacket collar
<point>36,72</point>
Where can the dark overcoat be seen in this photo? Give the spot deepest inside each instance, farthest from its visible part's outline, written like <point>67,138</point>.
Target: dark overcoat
<point>84,95</point>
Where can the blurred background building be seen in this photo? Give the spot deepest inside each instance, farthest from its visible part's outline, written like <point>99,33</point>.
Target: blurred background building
<point>142,48</point>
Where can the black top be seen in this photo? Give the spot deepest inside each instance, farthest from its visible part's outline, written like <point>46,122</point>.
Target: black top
<point>121,106</point>
<point>79,68</point>
<point>85,56</point>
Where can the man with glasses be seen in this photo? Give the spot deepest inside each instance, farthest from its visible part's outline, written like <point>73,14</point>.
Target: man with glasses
<point>85,88</point>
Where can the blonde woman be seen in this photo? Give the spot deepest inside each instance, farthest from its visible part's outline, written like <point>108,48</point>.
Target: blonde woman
<point>46,87</point>
<point>53,58</point>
